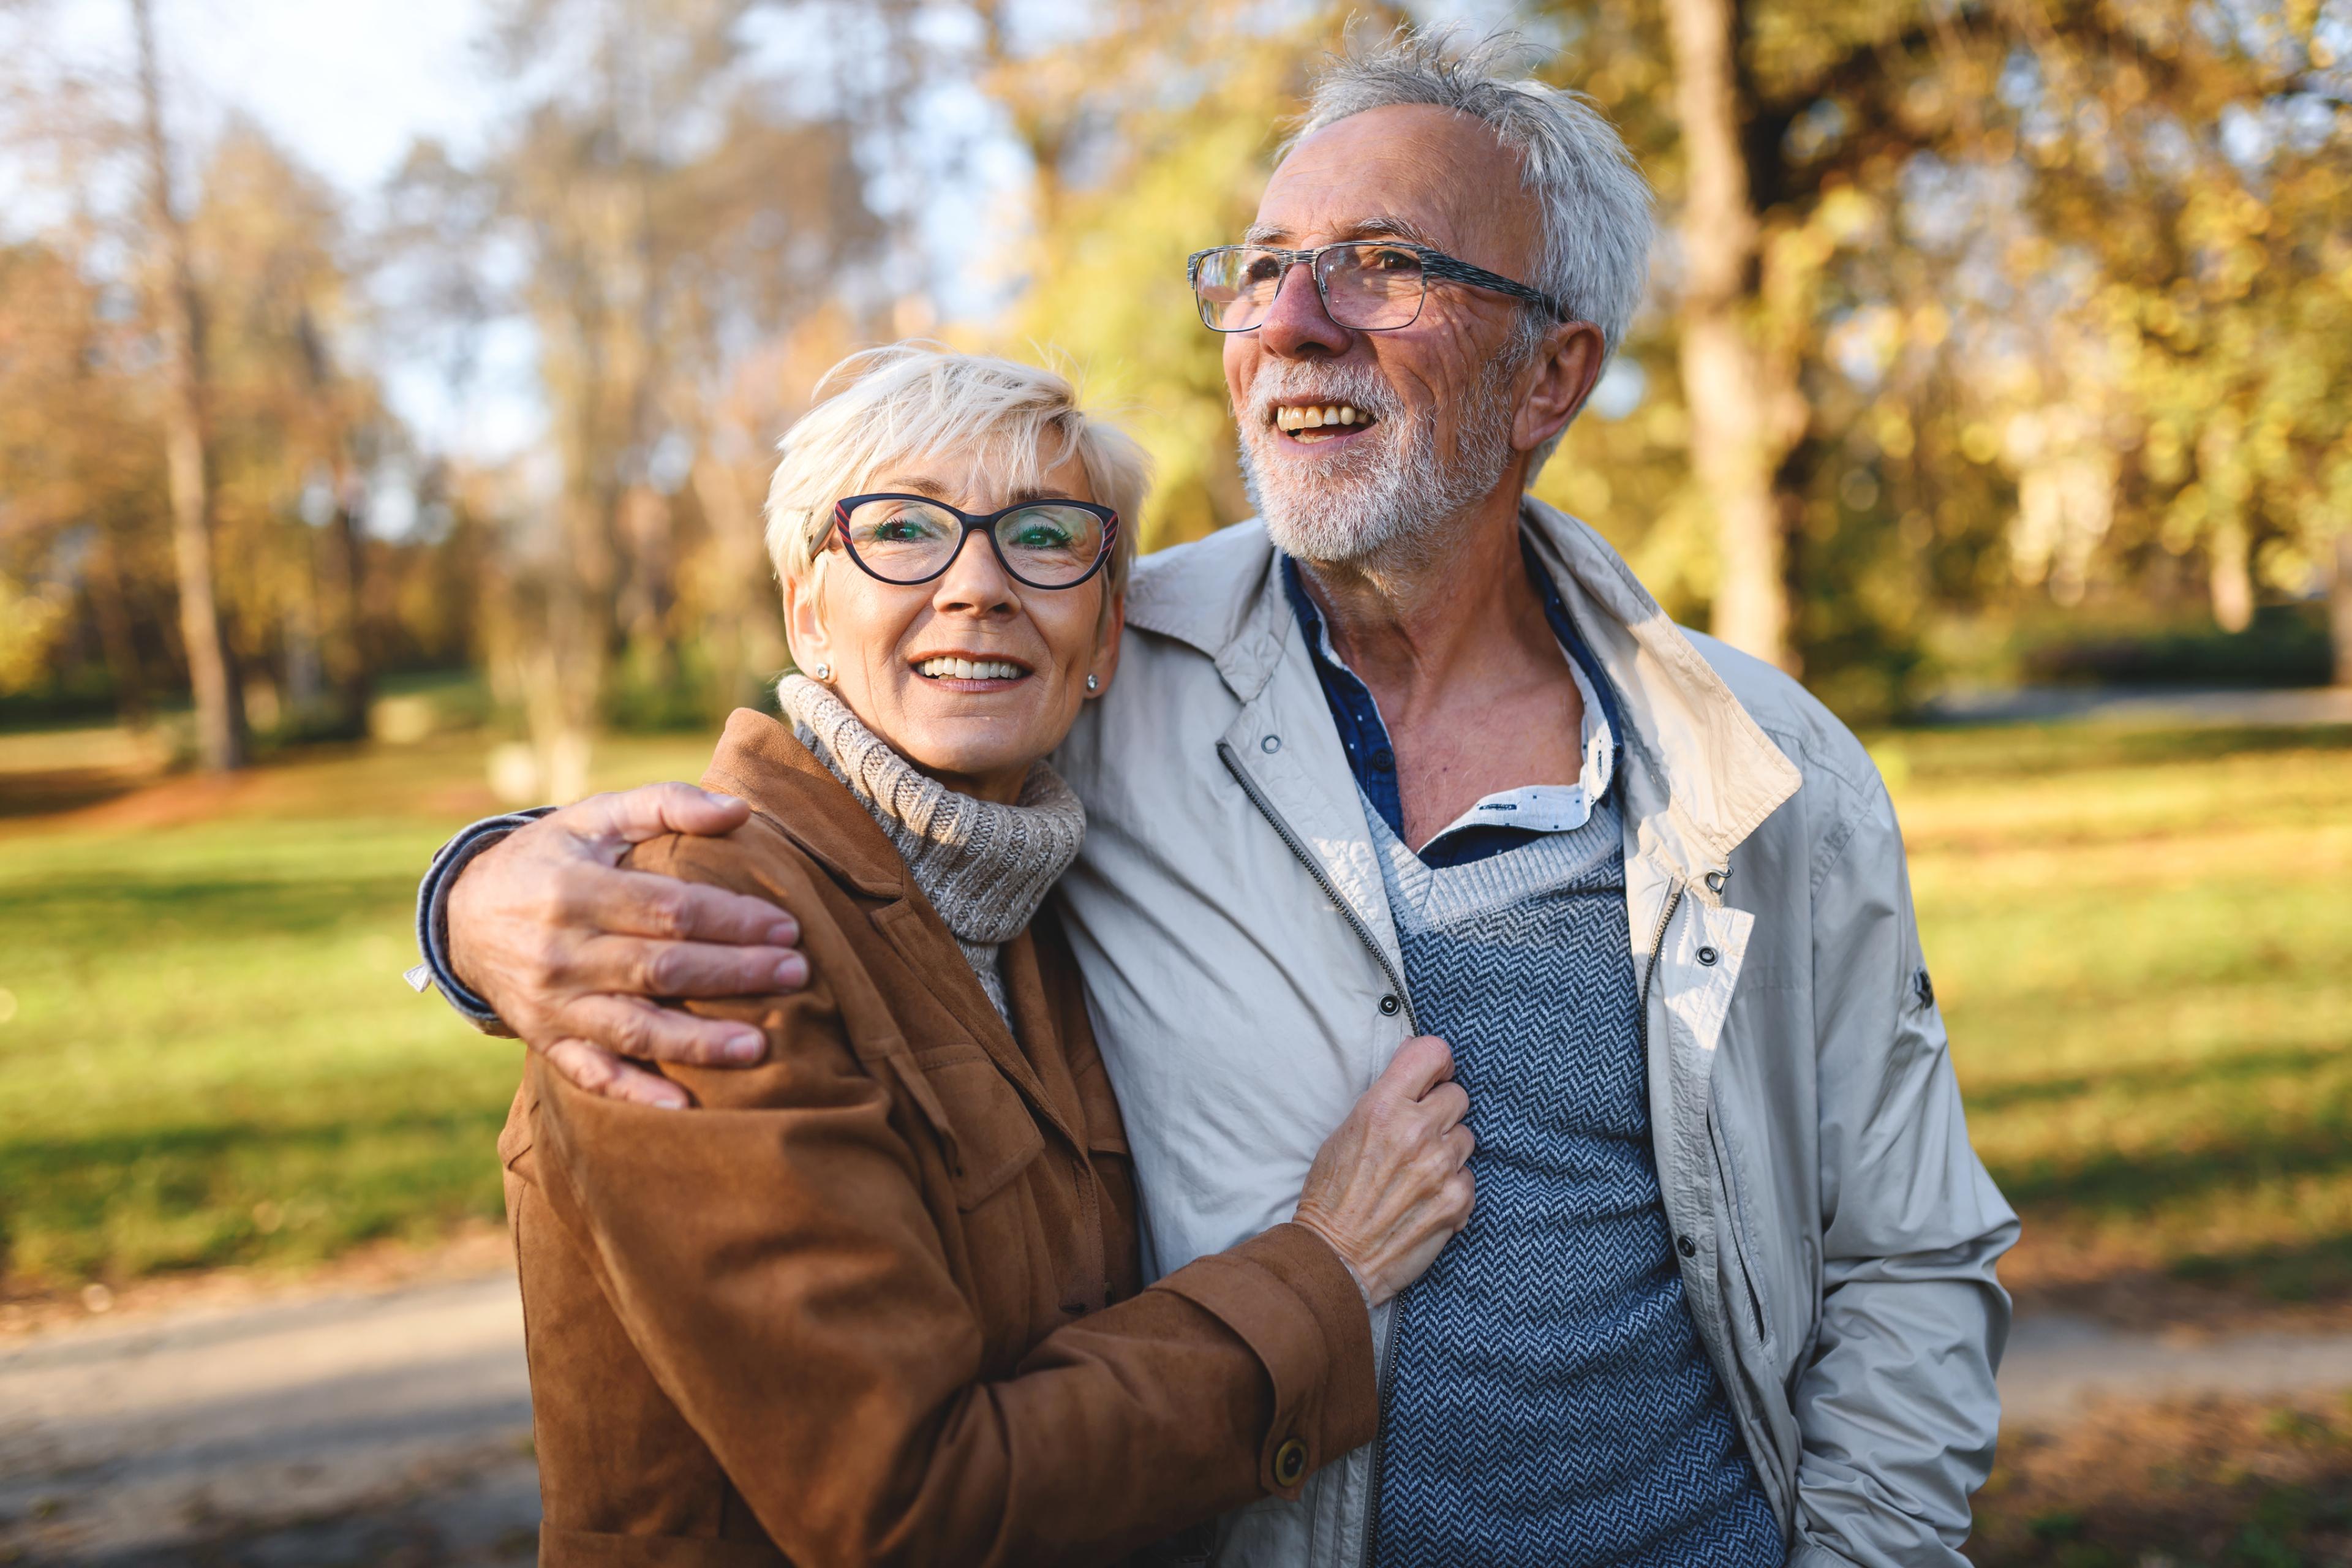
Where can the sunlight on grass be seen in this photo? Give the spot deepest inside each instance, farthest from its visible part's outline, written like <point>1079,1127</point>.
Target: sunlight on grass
<point>2139,940</point>
<point>212,1057</point>
<point>2144,952</point>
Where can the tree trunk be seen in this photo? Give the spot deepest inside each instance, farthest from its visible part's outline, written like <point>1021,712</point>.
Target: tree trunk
<point>349,650</point>
<point>2231,583</point>
<point>114,631</point>
<point>1731,413</point>
<point>220,719</point>
<point>2340,610</point>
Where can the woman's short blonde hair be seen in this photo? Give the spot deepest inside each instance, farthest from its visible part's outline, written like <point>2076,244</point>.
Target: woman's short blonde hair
<point>888,408</point>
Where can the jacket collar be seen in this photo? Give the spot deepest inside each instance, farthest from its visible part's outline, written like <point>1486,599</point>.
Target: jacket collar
<point>759,760</point>
<point>1700,777</point>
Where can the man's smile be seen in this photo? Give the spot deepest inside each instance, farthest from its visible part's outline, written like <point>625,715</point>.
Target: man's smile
<point>1310,424</point>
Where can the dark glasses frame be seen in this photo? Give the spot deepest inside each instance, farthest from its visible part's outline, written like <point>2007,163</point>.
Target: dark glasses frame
<point>1434,265</point>
<point>983,523</point>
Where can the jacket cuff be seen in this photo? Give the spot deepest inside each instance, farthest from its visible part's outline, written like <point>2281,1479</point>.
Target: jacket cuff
<point>433,915</point>
<point>1291,1300</point>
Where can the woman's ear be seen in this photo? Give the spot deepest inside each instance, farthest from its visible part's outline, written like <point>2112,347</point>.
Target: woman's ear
<point>804,631</point>
<point>1107,639</point>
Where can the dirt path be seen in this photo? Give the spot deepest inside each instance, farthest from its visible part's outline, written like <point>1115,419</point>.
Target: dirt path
<point>383,1426</point>
<point>392,1425</point>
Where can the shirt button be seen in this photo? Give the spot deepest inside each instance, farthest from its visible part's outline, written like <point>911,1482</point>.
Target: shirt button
<point>1290,1463</point>
<point>1708,956</point>
<point>1384,760</point>
<point>1686,1247</point>
<point>1390,1006</point>
<point>1270,745</point>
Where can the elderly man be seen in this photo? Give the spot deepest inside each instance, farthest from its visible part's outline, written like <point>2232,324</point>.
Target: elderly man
<point>1415,753</point>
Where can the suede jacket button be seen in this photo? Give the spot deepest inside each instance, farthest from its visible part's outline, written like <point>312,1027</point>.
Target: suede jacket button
<point>1290,1463</point>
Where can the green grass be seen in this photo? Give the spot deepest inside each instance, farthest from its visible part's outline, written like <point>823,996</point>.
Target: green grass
<point>2141,942</point>
<point>211,1057</point>
<point>2143,947</point>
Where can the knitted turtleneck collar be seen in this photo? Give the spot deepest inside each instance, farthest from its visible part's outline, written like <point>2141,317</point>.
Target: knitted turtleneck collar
<point>984,866</point>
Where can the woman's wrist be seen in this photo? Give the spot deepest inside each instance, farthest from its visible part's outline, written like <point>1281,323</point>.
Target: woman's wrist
<point>1363,1286</point>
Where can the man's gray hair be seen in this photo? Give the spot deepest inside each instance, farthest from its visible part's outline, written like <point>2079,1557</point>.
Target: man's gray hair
<point>1594,203</point>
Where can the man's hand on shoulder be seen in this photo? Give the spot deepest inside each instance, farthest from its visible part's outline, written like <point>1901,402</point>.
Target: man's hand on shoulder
<point>572,950</point>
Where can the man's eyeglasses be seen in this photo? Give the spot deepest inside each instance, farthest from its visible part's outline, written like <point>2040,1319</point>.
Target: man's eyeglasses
<point>907,540</point>
<point>1368,286</point>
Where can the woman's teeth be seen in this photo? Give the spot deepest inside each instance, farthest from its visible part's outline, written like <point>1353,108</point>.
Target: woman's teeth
<point>1294,419</point>
<point>970,669</point>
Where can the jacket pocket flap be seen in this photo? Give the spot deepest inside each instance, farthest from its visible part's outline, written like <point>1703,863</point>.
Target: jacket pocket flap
<point>990,1134</point>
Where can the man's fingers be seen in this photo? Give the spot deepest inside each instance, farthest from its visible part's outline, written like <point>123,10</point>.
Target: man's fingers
<point>1419,1064</point>
<point>599,1071</point>
<point>632,966</point>
<point>630,1026</point>
<point>647,903</point>
<point>633,815</point>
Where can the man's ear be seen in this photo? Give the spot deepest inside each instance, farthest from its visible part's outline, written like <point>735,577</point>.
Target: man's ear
<point>1566,364</point>
<point>1107,639</point>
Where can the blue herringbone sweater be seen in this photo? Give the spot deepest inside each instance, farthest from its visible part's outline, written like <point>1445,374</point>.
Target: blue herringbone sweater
<point>1550,1401</point>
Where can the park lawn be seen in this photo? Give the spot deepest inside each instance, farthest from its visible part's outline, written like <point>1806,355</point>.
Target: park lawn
<point>2136,938</point>
<point>2142,945</point>
<point>213,1058</point>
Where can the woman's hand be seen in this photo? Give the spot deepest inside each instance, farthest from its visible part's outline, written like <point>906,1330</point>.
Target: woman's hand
<point>1389,1189</point>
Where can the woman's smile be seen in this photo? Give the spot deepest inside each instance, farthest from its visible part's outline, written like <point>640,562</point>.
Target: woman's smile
<point>965,671</point>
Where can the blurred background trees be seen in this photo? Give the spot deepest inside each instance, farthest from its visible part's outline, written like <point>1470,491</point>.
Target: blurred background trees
<point>1988,340</point>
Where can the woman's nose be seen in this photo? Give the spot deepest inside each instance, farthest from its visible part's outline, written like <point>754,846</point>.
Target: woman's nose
<point>975,581</point>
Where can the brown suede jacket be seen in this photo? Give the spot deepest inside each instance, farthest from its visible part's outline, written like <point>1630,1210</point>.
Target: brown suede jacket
<point>877,1300</point>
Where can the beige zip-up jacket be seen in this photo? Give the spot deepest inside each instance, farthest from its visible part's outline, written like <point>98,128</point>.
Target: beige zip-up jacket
<point>1836,1232</point>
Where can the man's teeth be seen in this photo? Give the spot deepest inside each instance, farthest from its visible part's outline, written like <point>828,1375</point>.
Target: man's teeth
<point>970,669</point>
<point>1289,419</point>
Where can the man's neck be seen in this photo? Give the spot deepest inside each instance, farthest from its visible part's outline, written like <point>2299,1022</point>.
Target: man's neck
<point>1425,620</point>
<point>1455,648</point>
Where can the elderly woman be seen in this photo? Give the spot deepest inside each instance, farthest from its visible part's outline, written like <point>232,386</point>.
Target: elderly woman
<point>879,1300</point>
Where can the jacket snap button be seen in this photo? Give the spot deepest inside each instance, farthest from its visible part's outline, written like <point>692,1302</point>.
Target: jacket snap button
<point>1290,1463</point>
<point>1390,1006</point>
<point>1686,1247</point>
<point>1270,745</point>
<point>1708,956</point>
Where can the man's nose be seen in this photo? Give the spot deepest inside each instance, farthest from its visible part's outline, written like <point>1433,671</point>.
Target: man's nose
<point>1296,319</point>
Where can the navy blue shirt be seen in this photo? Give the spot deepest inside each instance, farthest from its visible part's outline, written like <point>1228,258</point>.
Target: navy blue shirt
<point>1365,737</point>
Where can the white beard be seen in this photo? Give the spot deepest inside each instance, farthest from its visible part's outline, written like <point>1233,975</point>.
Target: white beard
<point>1391,498</point>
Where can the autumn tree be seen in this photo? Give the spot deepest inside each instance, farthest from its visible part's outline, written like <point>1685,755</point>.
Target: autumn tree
<point>180,324</point>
